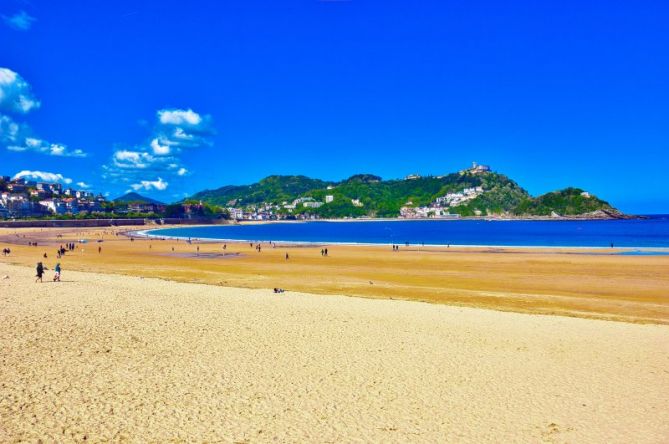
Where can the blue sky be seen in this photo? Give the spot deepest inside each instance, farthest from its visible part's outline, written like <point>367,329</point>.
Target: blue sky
<point>172,97</point>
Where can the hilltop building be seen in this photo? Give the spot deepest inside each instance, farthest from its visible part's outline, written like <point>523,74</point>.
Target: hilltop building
<point>478,169</point>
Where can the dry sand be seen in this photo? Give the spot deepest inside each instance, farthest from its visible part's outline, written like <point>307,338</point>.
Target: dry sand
<point>103,357</point>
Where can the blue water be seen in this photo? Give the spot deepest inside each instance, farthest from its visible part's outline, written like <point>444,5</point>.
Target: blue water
<point>651,232</point>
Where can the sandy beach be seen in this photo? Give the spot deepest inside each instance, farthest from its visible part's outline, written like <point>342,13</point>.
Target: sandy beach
<point>103,357</point>
<point>164,341</point>
<point>571,282</point>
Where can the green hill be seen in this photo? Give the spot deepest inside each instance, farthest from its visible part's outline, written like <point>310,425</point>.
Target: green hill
<point>567,202</point>
<point>272,189</point>
<point>490,193</point>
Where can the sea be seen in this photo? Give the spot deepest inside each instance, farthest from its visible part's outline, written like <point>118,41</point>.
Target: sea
<point>650,232</point>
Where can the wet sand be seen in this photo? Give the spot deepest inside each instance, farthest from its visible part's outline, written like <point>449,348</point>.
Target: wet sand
<point>570,282</point>
<point>103,357</point>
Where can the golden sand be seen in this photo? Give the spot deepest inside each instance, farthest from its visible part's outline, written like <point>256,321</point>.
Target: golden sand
<point>100,358</point>
<point>565,282</point>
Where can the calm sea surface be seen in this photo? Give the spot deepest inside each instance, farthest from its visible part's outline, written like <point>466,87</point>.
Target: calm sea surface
<point>651,232</point>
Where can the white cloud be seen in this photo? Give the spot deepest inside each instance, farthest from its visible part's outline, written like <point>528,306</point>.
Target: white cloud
<point>15,93</point>
<point>16,98</point>
<point>179,128</point>
<point>83,185</point>
<point>127,159</point>
<point>159,149</point>
<point>44,147</point>
<point>20,21</point>
<point>149,185</point>
<point>10,131</point>
<point>175,130</point>
<point>179,117</point>
<point>43,176</point>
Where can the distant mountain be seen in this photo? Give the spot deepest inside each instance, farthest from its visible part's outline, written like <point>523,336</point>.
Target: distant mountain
<point>270,189</point>
<point>472,192</point>
<point>135,198</point>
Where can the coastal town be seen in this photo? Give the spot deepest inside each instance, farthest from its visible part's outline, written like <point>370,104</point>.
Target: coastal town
<point>21,198</point>
<point>24,198</point>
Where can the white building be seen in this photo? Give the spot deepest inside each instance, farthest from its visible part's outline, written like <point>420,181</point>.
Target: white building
<point>312,204</point>
<point>54,206</point>
<point>236,213</point>
<point>329,198</point>
<point>478,169</point>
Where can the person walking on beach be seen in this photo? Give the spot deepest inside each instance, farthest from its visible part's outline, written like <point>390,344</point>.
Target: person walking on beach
<point>286,256</point>
<point>99,250</point>
<point>40,272</point>
<point>56,276</point>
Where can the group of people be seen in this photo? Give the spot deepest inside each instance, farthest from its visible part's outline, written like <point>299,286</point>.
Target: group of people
<point>40,269</point>
<point>6,251</point>
<point>324,251</point>
<point>62,250</point>
<point>396,247</point>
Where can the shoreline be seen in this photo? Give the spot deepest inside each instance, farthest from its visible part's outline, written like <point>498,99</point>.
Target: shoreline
<point>147,233</point>
<point>579,282</point>
<point>110,222</point>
